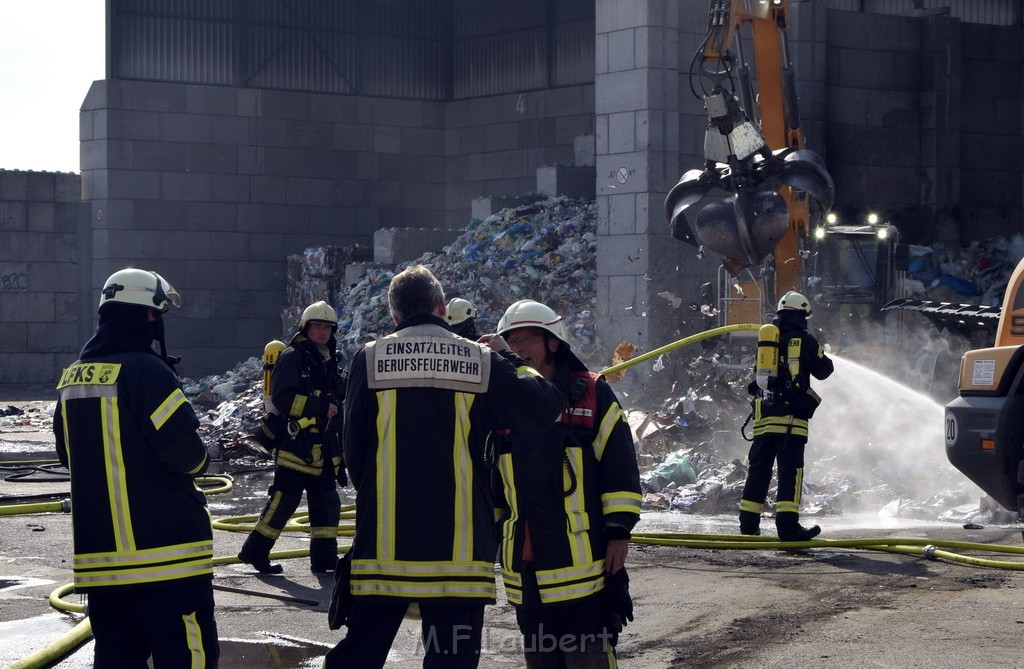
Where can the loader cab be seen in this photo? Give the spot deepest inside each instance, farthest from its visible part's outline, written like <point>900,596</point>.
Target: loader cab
<point>854,268</point>
<point>856,263</point>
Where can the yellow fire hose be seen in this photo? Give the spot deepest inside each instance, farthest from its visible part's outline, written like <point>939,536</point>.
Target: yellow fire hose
<point>61,506</point>
<point>685,341</point>
<point>927,548</point>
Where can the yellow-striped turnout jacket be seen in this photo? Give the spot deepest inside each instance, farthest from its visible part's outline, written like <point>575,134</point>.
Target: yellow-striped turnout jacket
<point>568,529</point>
<point>128,435</point>
<point>419,405</point>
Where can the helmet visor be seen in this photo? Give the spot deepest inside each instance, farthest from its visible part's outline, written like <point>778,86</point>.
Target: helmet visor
<point>165,294</point>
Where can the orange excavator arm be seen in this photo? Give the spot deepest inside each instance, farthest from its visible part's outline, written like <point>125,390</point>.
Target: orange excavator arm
<point>754,148</point>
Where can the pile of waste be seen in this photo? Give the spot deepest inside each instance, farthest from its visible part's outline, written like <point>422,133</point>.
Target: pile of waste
<point>977,274</point>
<point>544,251</point>
<point>690,436</point>
<point>24,418</point>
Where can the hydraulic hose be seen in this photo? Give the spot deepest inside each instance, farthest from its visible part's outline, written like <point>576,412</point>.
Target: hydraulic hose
<point>685,341</point>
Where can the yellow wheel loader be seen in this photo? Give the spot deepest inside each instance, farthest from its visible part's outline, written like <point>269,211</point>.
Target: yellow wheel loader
<point>984,426</point>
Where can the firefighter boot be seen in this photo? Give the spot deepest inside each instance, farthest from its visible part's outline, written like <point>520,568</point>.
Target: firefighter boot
<point>256,552</point>
<point>792,530</point>
<point>750,523</point>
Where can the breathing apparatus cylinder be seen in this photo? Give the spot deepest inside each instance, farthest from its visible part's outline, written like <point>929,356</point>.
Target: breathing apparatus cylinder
<point>270,353</point>
<point>766,365</point>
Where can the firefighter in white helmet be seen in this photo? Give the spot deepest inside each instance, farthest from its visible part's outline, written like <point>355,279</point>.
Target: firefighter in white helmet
<point>143,544</point>
<point>307,389</point>
<point>570,498</point>
<point>460,314</point>
<point>782,414</point>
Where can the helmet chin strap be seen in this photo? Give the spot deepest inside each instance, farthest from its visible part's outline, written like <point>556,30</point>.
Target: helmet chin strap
<point>156,327</point>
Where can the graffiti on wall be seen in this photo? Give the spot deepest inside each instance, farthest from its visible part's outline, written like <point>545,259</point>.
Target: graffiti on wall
<point>13,281</point>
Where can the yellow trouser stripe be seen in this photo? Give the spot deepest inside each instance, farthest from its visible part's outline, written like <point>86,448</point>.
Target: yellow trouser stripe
<point>194,637</point>
<point>752,507</point>
<point>263,524</point>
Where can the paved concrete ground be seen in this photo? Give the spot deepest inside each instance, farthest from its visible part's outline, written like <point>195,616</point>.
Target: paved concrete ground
<point>707,608</point>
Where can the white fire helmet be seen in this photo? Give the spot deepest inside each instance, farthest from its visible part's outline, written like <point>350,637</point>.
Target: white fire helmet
<point>794,301</point>
<point>459,310</point>
<point>319,312</point>
<point>530,314</point>
<point>139,287</point>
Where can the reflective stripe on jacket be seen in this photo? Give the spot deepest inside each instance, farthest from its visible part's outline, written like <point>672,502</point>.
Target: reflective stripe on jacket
<point>419,405</point>
<point>128,435</point>
<point>302,386</point>
<point>794,401</point>
<point>566,529</point>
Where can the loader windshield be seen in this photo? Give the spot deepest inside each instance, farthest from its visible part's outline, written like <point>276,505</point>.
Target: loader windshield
<point>847,265</point>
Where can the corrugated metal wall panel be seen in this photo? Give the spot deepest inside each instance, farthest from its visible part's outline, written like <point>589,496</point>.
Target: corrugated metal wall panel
<point>475,18</point>
<point>407,18</point>
<point>845,5</point>
<point>200,9</point>
<point>888,6</point>
<point>295,59</point>
<point>574,10</point>
<point>332,15</point>
<point>996,12</point>
<point>500,64</point>
<point>405,68</point>
<point>573,59</point>
<point>402,48</point>
<point>173,49</point>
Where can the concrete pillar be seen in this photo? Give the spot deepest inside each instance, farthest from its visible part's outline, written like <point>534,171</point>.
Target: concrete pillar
<point>637,107</point>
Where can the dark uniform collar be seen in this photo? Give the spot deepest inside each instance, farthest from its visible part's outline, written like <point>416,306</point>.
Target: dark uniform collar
<point>422,319</point>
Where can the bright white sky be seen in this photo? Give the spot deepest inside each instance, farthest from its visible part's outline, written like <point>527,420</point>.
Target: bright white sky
<point>50,53</point>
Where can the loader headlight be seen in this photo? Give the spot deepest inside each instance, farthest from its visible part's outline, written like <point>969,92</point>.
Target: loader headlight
<point>819,233</point>
<point>831,218</point>
<point>872,219</point>
<point>882,233</point>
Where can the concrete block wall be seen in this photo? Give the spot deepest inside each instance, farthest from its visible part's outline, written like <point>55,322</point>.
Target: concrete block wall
<point>214,187</point>
<point>38,287</point>
<point>924,122</point>
<point>495,144</point>
<point>396,245</point>
<point>991,131</point>
<point>873,144</point>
